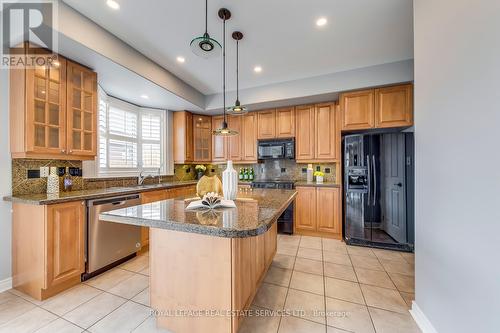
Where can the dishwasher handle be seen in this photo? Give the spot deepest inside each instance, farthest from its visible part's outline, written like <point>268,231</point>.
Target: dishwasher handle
<point>115,201</point>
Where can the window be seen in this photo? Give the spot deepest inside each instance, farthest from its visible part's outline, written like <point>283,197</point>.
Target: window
<point>131,139</point>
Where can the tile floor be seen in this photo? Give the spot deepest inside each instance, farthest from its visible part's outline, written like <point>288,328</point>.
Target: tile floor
<point>325,285</point>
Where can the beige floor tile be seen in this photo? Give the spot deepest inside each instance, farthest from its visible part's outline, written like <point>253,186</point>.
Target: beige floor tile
<point>349,316</point>
<point>401,267</point>
<point>94,310</point>
<point>330,329</point>
<point>307,282</point>
<point>311,306</point>
<point>130,287</point>
<point>374,278</point>
<point>290,250</point>
<point>388,255</point>
<point>13,307</point>
<point>334,245</point>
<point>312,254</point>
<point>260,324</point>
<point>297,325</point>
<point>409,257</point>
<point>124,319</point>
<point>145,271</point>
<point>366,262</point>
<point>344,290</point>
<point>29,321</point>
<point>59,326</point>
<point>136,264</point>
<point>404,283</point>
<point>149,326</point>
<point>383,298</point>
<point>109,279</point>
<point>308,266</point>
<point>279,276</point>
<point>336,258</point>
<point>283,261</point>
<point>340,272</point>
<point>270,296</point>
<point>292,240</point>
<point>360,251</point>
<point>25,297</point>
<point>143,297</point>
<point>391,322</point>
<point>7,296</point>
<point>408,297</point>
<point>310,242</point>
<point>70,299</point>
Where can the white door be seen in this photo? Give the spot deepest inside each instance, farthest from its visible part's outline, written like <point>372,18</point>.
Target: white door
<point>394,207</point>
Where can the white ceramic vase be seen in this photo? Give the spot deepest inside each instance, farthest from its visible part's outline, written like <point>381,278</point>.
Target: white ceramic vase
<point>230,182</point>
<point>53,181</point>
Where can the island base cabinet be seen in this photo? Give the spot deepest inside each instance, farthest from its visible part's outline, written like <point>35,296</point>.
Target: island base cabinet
<point>47,248</point>
<point>216,273</point>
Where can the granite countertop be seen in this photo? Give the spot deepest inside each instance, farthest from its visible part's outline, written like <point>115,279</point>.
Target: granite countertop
<point>314,184</point>
<point>48,199</point>
<point>255,213</point>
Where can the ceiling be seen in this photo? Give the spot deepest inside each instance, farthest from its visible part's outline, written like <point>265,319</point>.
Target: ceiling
<point>279,35</point>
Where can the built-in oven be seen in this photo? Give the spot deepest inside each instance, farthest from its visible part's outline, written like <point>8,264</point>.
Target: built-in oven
<point>276,149</point>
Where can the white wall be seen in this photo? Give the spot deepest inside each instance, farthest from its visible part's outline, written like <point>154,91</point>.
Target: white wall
<point>5,179</point>
<point>457,132</point>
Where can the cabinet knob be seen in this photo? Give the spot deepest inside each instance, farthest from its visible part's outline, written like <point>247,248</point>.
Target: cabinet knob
<point>63,151</point>
<point>71,151</point>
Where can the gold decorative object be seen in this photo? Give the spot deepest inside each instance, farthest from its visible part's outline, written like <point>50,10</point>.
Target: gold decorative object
<point>208,184</point>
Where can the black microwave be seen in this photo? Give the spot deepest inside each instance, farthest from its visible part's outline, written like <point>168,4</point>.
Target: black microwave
<point>276,149</point>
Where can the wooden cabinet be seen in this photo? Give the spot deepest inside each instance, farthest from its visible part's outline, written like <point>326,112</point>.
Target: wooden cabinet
<point>317,133</point>
<point>219,143</point>
<point>377,108</point>
<point>394,106</point>
<point>53,112</point>
<point>318,211</point>
<point>249,137</point>
<point>267,124</point>
<point>47,247</point>
<point>65,242</point>
<point>202,138</point>
<point>235,152</point>
<point>183,137</point>
<point>285,122</point>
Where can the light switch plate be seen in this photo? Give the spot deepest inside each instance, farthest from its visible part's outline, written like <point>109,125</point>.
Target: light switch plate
<point>44,172</point>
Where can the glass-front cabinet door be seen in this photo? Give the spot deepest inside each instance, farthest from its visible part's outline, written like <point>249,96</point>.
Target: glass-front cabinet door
<point>202,127</point>
<point>81,110</point>
<point>46,108</point>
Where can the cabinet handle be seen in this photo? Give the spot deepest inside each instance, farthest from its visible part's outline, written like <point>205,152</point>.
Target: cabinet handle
<point>63,151</point>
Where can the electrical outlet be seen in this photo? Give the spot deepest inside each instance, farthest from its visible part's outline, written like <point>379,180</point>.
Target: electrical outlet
<point>44,172</point>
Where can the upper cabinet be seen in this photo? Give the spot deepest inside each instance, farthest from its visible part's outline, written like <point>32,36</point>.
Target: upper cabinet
<point>377,108</point>
<point>285,122</point>
<point>249,137</point>
<point>53,111</point>
<point>82,110</point>
<point>317,133</point>
<point>267,124</point>
<point>235,152</point>
<point>202,138</point>
<point>219,143</point>
<point>183,137</point>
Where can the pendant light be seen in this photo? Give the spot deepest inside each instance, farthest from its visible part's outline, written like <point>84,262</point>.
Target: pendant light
<point>204,46</point>
<point>237,109</point>
<point>224,14</point>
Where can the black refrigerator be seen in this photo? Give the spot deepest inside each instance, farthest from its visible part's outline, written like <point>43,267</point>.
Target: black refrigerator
<point>379,190</point>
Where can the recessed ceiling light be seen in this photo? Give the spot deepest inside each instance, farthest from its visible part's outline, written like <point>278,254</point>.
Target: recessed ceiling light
<point>113,4</point>
<point>321,21</point>
<point>257,69</point>
<point>181,60</point>
<point>145,96</point>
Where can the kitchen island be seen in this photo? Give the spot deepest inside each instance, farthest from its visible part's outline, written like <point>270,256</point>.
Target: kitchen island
<point>206,265</point>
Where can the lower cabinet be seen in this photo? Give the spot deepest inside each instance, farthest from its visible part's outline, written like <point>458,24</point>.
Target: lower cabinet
<point>317,211</point>
<point>48,250</point>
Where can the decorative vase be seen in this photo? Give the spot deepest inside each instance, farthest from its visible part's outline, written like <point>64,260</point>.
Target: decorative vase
<point>53,181</point>
<point>230,182</point>
<point>319,179</point>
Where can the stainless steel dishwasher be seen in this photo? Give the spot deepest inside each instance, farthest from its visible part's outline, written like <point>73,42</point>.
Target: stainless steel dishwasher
<point>108,243</point>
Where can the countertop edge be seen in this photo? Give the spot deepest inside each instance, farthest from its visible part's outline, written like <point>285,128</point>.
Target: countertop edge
<point>306,184</point>
<point>201,229</point>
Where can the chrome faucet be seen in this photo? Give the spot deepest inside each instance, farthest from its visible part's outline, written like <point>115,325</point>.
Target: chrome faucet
<point>142,177</point>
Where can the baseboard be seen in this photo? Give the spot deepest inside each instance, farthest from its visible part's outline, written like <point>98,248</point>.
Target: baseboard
<point>421,319</point>
<point>5,284</point>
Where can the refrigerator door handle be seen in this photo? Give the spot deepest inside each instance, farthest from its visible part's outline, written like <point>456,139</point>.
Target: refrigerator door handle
<point>369,179</point>
<point>374,180</point>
